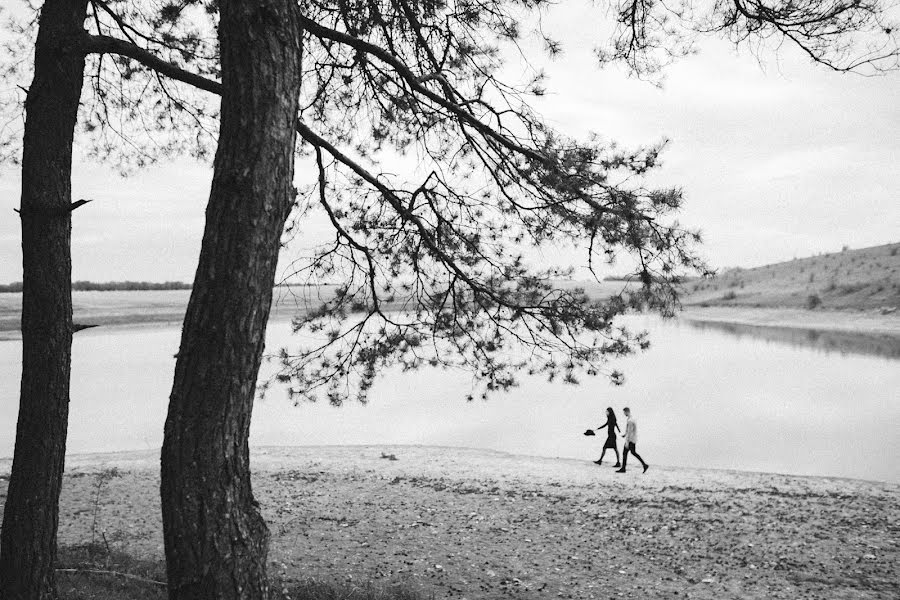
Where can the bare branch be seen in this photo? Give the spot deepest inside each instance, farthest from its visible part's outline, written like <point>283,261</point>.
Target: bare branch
<point>103,44</point>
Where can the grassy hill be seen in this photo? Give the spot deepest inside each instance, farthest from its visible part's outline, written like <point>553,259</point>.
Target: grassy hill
<point>864,279</point>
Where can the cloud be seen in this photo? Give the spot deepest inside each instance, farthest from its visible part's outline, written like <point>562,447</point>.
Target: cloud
<point>799,163</point>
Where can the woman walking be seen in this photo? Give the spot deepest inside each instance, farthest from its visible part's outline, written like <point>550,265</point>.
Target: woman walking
<point>612,426</point>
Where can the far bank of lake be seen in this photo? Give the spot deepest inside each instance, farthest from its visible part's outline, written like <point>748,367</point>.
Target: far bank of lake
<point>127,308</point>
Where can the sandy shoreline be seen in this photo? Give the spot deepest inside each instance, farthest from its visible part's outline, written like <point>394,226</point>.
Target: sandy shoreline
<point>481,524</point>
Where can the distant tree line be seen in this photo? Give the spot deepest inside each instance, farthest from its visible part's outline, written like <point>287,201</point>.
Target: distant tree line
<point>120,286</point>
<point>108,286</point>
<point>633,277</point>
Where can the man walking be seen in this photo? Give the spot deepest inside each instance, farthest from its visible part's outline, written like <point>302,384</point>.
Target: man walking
<point>631,441</point>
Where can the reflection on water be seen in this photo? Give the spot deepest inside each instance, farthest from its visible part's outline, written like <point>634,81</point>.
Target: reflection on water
<point>843,342</point>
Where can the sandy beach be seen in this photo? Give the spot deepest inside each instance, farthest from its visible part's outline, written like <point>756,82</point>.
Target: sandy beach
<point>460,523</point>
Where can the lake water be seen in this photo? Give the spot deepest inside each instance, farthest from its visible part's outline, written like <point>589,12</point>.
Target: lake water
<point>703,397</point>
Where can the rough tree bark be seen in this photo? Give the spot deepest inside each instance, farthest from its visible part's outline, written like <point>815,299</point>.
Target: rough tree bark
<point>216,541</point>
<point>31,513</point>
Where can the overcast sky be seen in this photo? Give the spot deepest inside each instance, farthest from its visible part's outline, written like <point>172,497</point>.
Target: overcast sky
<point>777,161</point>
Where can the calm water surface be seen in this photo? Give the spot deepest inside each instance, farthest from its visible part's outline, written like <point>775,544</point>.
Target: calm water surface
<point>703,397</point>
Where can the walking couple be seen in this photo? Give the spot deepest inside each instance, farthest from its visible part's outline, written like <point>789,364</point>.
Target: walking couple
<point>630,436</point>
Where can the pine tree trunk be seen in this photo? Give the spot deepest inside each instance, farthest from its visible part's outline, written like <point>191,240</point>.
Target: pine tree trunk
<point>216,541</point>
<point>31,513</point>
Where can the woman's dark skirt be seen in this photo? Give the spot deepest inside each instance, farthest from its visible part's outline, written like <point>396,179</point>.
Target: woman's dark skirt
<point>610,442</point>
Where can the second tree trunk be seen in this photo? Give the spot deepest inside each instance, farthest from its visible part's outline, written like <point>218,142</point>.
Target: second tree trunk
<point>216,540</point>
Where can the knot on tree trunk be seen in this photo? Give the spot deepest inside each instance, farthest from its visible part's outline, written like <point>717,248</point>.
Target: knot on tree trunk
<point>50,211</point>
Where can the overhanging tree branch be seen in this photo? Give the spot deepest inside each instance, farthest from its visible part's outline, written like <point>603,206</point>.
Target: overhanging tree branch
<point>104,44</point>
<point>107,44</point>
<point>415,83</point>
